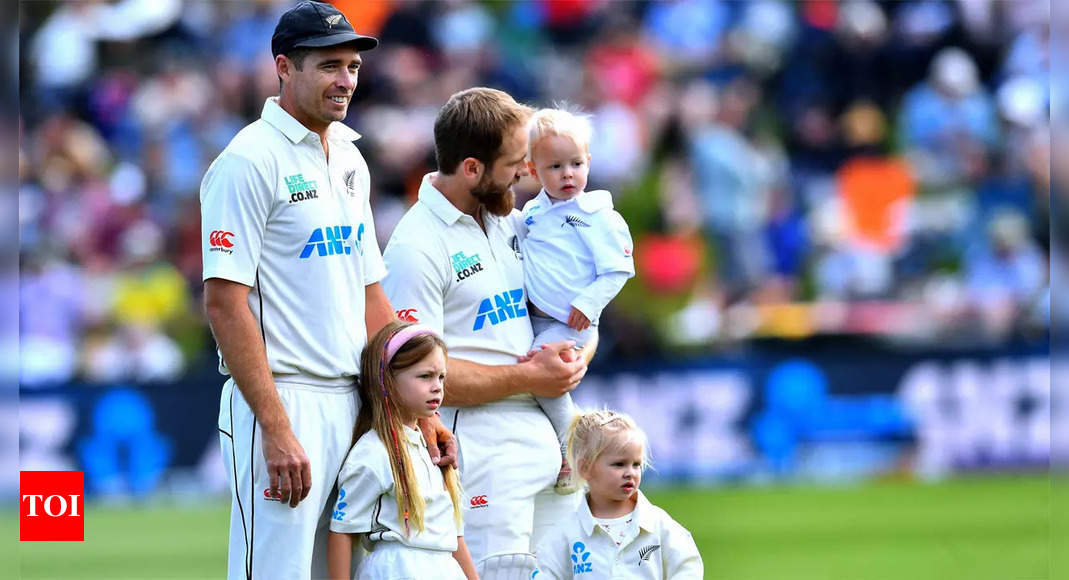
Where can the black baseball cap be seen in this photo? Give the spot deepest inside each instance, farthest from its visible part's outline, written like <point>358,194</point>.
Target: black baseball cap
<point>315,25</point>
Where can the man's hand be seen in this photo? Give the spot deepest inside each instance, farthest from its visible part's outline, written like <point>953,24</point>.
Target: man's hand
<point>555,370</point>
<point>440,441</point>
<point>577,320</point>
<point>287,466</point>
<point>567,355</point>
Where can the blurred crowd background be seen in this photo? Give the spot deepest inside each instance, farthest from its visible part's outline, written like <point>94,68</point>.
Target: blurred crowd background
<point>788,169</point>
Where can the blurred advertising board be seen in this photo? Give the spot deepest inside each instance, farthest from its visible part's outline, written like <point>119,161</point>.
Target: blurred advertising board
<point>824,412</point>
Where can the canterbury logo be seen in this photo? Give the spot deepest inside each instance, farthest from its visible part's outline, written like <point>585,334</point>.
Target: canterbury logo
<point>479,501</point>
<point>646,553</point>
<point>407,315</point>
<point>218,239</point>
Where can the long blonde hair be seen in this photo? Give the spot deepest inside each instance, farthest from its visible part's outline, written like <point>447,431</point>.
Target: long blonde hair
<point>379,411</point>
<point>591,433</point>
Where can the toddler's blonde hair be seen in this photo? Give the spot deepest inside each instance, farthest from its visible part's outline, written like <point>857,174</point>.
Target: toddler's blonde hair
<point>592,433</point>
<point>562,120</point>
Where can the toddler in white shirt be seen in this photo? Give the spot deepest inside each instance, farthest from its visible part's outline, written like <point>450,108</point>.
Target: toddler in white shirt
<point>615,532</point>
<point>576,248</point>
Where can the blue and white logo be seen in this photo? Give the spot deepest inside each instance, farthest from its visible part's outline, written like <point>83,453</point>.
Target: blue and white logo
<point>579,559</point>
<point>339,514</point>
<point>500,307</point>
<point>333,241</point>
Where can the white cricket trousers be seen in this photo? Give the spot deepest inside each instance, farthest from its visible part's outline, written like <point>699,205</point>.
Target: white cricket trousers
<point>396,561</point>
<point>509,459</point>
<point>268,538</point>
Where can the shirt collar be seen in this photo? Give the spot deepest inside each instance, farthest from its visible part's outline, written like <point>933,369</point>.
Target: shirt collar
<point>594,201</point>
<point>544,199</point>
<point>435,200</point>
<point>588,201</point>
<point>277,117</point>
<point>643,511</point>
<point>414,436</point>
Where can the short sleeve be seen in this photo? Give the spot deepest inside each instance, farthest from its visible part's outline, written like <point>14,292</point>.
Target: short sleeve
<point>553,557</point>
<point>682,559</point>
<point>364,479</point>
<point>414,282</point>
<point>610,243</point>
<point>374,269</point>
<point>235,202</point>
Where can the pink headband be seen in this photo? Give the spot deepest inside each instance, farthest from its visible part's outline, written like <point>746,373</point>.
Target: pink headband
<point>404,335</point>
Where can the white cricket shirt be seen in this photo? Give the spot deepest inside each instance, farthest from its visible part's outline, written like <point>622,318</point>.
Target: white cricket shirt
<point>575,253</point>
<point>367,501</point>
<point>445,272</point>
<point>277,217</point>
<point>579,548</point>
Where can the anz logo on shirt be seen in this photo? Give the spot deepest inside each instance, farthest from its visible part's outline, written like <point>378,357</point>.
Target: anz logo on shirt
<point>579,559</point>
<point>333,241</point>
<point>339,515</point>
<point>500,307</point>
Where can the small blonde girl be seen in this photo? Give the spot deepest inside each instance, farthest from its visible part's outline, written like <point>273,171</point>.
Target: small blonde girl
<point>615,532</point>
<point>401,507</point>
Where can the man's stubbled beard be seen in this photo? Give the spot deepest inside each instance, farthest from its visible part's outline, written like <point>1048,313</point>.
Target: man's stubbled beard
<point>497,199</point>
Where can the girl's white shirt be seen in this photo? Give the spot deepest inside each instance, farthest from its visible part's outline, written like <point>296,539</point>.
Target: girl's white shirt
<point>367,503</point>
<point>580,548</point>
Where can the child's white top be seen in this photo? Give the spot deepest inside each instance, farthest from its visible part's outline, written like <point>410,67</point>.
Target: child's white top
<point>568,246</point>
<point>367,504</point>
<point>579,548</point>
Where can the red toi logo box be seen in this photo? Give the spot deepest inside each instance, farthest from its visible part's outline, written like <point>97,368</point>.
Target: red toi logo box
<point>51,506</point>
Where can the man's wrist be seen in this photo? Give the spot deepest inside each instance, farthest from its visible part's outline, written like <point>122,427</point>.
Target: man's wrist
<point>275,426</point>
<point>524,377</point>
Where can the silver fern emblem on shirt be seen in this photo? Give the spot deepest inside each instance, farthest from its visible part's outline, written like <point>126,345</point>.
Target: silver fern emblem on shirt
<point>574,221</point>
<point>514,243</point>
<point>646,553</point>
<point>350,183</point>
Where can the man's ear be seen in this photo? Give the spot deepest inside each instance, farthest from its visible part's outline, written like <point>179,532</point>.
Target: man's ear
<point>472,168</point>
<point>283,66</point>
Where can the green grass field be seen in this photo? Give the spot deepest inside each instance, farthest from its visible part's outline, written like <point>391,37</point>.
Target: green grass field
<point>995,528</point>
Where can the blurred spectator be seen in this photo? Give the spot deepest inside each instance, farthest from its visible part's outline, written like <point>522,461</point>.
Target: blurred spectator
<point>860,67</point>
<point>687,33</point>
<point>64,49</point>
<point>620,66</point>
<point>51,319</point>
<point>746,143</point>
<point>1006,274</point>
<point>245,36</point>
<point>733,180</point>
<point>949,121</point>
<point>146,296</point>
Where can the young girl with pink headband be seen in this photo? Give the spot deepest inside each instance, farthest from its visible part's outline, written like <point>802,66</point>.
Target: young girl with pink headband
<point>392,500</point>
